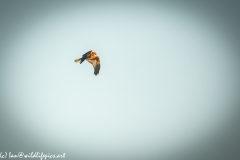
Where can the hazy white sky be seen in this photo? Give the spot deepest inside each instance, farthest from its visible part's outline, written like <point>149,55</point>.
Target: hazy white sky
<point>165,83</point>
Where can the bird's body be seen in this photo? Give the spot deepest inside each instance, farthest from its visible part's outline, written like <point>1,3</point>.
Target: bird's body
<point>92,58</point>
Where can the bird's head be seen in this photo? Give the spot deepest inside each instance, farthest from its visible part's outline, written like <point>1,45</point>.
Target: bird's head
<point>93,53</point>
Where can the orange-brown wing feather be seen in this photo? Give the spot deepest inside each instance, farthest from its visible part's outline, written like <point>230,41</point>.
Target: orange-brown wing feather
<point>95,61</point>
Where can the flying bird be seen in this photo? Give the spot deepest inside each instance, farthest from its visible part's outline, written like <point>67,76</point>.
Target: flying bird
<point>92,58</point>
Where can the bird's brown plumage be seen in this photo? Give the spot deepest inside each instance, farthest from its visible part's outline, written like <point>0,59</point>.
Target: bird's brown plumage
<point>92,58</point>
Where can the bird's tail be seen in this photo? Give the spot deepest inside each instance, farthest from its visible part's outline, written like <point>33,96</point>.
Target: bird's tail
<point>77,60</point>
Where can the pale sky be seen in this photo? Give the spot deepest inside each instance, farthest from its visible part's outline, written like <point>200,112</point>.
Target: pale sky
<point>166,82</point>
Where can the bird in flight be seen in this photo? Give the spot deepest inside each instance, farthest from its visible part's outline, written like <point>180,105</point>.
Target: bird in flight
<point>92,58</point>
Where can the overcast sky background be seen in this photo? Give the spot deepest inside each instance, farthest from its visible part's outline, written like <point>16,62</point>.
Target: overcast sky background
<point>168,87</point>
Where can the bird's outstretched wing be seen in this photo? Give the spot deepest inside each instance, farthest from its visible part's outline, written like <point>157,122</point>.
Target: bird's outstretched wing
<point>85,56</point>
<point>96,65</point>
